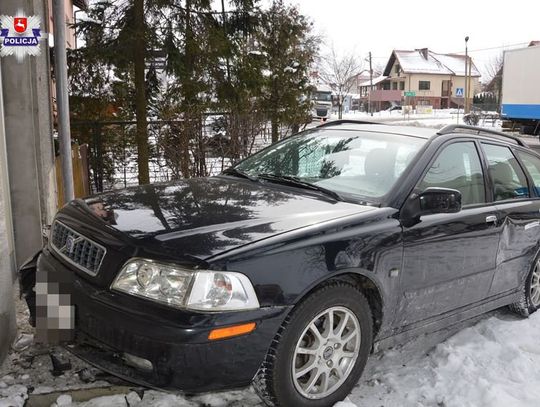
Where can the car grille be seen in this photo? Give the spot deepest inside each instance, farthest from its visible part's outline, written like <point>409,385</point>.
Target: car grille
<point>322,112</point>
<point>77,249</point>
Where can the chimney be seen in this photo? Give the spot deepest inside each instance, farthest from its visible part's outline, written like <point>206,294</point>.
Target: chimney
<point>424,52</point>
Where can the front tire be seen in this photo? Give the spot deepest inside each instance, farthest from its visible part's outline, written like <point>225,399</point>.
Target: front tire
<point>530,296</point>
<point>320,351</point>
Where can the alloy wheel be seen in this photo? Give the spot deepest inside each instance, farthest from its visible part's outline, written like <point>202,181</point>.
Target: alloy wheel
<point>326,352</point>
<point>535,286</point>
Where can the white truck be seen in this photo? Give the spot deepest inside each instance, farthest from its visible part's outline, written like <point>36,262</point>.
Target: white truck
<point>521,89</point>
<point>321,100</point>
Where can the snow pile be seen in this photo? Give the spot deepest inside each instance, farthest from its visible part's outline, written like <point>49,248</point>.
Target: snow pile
<point>437,119</point>
<point>154,398</point>
<point>495,363</point>
<point>13,395</point>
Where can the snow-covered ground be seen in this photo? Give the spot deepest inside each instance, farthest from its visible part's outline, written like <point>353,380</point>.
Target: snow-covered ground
<point>436,119</point>
<point>489,362</point>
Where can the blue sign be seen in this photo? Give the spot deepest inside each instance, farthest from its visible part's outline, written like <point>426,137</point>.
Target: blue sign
<point>459,92</point>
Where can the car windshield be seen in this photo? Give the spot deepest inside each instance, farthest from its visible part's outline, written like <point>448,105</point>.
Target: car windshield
<point>360,164</point>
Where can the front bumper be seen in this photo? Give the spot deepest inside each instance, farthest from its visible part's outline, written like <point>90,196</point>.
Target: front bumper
<point>109,325</point>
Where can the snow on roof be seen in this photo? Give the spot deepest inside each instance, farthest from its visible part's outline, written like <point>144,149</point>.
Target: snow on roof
<point>415,62</point>
<point>426,61</point>
<point>456,63</point>
<point>375,81</point>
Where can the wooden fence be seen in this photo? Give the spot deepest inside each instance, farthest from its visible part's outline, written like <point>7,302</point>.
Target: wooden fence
<point>79,157</point>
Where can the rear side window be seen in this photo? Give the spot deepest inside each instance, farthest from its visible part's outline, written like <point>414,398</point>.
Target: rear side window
<point>509,181</point>
<point>532,164</point>
<point>458,167</point>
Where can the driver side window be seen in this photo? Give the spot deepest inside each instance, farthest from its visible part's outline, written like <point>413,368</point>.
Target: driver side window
<point>458,167</point>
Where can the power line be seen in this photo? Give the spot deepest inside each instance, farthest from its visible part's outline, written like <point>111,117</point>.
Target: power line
<point>498,47</point>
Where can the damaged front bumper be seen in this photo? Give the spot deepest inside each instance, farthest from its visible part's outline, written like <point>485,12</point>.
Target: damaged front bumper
<point>156,346</point>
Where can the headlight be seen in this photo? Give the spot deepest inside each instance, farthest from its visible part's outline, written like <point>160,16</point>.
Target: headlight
<point>181,288</point>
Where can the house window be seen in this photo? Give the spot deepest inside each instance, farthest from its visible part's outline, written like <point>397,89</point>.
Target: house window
<point>398,69</point>
<point>394,85</point>
<point>386,85</point>
<point>424,85</point>
<point>402,85</point>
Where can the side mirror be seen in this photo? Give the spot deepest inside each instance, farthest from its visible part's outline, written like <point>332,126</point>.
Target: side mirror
<point>430,201</point>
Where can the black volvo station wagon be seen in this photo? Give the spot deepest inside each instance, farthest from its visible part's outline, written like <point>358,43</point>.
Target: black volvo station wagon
<point>289,268</point>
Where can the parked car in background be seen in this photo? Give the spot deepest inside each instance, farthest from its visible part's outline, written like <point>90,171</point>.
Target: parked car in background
<point>394,108</point>
<point>288,269</point>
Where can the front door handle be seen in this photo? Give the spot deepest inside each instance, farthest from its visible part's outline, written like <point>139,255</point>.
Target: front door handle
<point>491,219</point>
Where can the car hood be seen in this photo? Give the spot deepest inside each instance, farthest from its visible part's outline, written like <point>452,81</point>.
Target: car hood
<point>204,217</point>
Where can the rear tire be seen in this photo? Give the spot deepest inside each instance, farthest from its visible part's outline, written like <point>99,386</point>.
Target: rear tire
<point>311,365</point>
<point>530,295</point>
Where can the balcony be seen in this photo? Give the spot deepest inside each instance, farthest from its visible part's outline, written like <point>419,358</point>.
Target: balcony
<point>386,95</point>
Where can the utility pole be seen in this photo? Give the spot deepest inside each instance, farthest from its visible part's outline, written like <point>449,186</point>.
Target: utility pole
<point>225,33</point>
<point>62,99</point>
<point>466,104</point>
<point>139,59</point>
<point>370,84</point>
<point>469,98</point>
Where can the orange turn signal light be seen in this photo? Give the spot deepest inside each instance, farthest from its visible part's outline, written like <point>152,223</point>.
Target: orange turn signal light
<point>222,333</point>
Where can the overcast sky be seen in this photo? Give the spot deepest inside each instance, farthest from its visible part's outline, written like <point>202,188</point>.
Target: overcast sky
<point>361,26</point>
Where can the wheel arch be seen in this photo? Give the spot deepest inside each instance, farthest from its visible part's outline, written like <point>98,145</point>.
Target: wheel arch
<point>367,284</point>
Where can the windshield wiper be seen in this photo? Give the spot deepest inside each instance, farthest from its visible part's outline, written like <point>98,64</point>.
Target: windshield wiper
<point>294,181</point>
<point>239,173</point>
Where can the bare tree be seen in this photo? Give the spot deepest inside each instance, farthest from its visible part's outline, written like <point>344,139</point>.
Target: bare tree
<point>339,72</point>
<point>494,72</point>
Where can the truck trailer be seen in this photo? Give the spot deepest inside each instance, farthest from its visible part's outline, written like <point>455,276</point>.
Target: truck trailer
<point>521,89</point>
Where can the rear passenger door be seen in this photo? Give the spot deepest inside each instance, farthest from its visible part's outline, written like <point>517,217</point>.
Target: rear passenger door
<point>449,258</point>
<point>518,212</point>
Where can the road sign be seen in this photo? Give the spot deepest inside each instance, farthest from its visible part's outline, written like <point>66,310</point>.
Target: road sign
<point>459,92</point>
<point>410,93</point>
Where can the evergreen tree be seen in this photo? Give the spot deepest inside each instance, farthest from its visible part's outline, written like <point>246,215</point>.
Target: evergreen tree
<point>248,63</point>
<point>289,46</point>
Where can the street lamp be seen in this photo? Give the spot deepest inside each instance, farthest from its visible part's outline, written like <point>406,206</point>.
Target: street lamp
<point>466,105</point>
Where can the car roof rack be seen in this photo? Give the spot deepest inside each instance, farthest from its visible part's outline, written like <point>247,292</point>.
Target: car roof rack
<point>345,121</point>
<point>451,128</point>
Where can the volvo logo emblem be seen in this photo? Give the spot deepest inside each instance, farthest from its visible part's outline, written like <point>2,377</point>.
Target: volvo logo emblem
<point>71,241</point>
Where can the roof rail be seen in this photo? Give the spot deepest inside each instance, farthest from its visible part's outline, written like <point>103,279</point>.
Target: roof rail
<point>451,128</point>
<point>345,121</point>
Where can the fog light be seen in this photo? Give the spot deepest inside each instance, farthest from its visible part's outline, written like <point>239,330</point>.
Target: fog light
<point>137,362</point>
